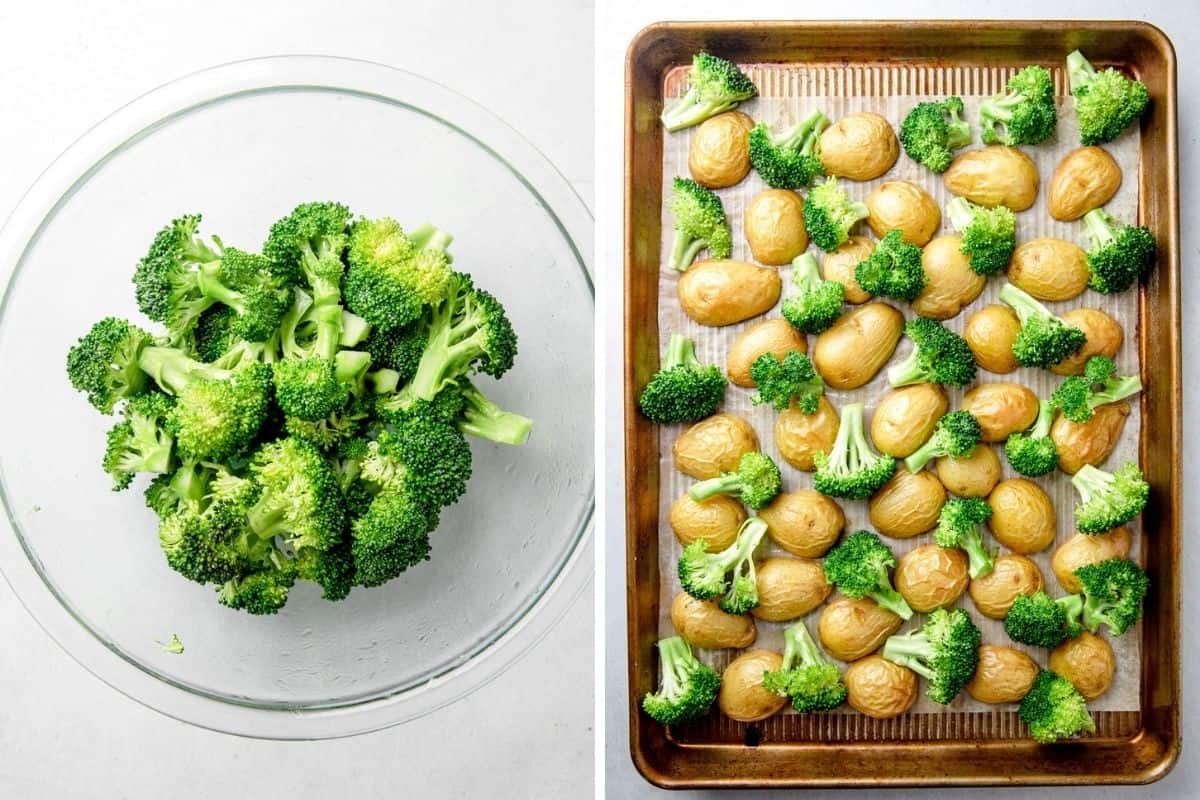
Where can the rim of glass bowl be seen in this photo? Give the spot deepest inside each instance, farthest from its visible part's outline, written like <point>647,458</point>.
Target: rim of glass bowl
<point>124,127</point>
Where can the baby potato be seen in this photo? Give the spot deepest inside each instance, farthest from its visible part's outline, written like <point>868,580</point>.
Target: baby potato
<point>703,624</point>
<point>850,353</point>
<point>1086,661</point>
<point>713,446</point>
<point>973,476</point>
<point>719,152</point>
<point>859,146</point>
<point>906,417</point>
<point>774,336</point>
<point>789,588</point>
<point>1104,338</point>
<point>804,522</point>
<point>930,577</point>
<point>1022,516</point>
<point>908,504</point>
<point>906,207</point>
<point>1090,442</point>
<point>990,332</point>
<point>1049,269</point>
<point>880,688</point>
<point>774,226</point>
<point>950,283</point>
<point>851,628</point>
<point>725,291</point>
<point>1013,576</point>
<point>798,435</point>
<point>1001,408</point>
<point>994,176</point>
<point>715,520</point>
<point>742,695</point>
<point>1083,548</point>
<point>840,264</point>
<point>1004,675</point>
<point>1086,178</point>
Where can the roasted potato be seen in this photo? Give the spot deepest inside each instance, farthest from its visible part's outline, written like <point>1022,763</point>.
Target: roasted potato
<point>906,207</point>
<point>990,332</point>
<point>1001,408</point>
<point>774,336</point>
<point>774,226</point>
<point>789,588</point>
<point>1090,442</point>
<point>713,446</point>
<point>715,520</point>
<point>930,577</point>
<point>879,688</point>
<point>1049,269</point>
<point>973,476</point>
<point>850,629</point>
<point>850,353</point>
<point>1104,338</point>
<point>994,176</point>
<point>950,283</point>
<point>908,504</point>
<point>1012,576</point>
<point>724,291</point>
<point>1087,661</point>
<point>702,623</point>
<point>1083,548</point>
<point>804,522</point>
<point>839,266</point>
<point>1022,516</point>
<point>719,151</point>
<point>798,435</point>
<point>1086,178</point>
<point>1004,675</point>
<point>860,147</point>
<point>906,417</point>
<point>742,695</point>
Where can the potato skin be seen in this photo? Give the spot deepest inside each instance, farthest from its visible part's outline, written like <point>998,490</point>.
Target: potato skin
<point>1004,675</point>
<point>973,476</point>
<point>908,504</point>
<point>930,577</point>
<point>994,176</point>
<point>850,629</point>
<point>798,435</point>
<point>906,417</point>
<point>906,207</point>
<point>724,291</point>
<point>858,345</point>
<point>1049,269</point>
<point>789,588</point>
<point>774,336</point>
<point>1001,408</point>
<point>1022,516</point>
<point>990,332</point>
<point>1086,661</point>
<point>840,264</point>
<point>719,151</point>
<point>713,445</point>
<point>774,226</point>
<point>1083,548</point>
<point>742,696</point>
<point>950,283</point>
<point>880,689</point>
<point>702,623</point>
<point>1090,442</point>
<point>1086,178</point>
<point>715,520</point>
<point>804,522</point>
<point>1104,338</point>
<point>993,594</point>
<point>859,146</point>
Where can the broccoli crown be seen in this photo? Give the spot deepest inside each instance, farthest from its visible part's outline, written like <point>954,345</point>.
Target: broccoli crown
<point>781,381</point>
<point>425,455</point>
<point>1044,340</point>
<point>731,572</point>
<point>1106,102</point>
<point>687,688</point>
<point>262,592</point>
<point>699,224</point>
<point>1034,453</point>
<point>1119,253</point>
<point>756,481</point>
<point>829,214</point>
<point>103,364</point>
<point>819,302</point>
<point>306,247</point>
<point>1113,591</point>
<point>791,159</point>
<point>399,349</point>
<point>959,525</point>
<point>939,356</point>
<point>308,388</point>
<point>956,435</point>
<point>931,132</point>
<point>183,489</point>
<point>1054,709</point>
<point>393,274</point>
<point>140,441</point>
<point>1108,499</point>
<point>684,390</point>
<point>859,568</point>
<point>989,235</point>
<point>300,501</point>
<point>165,280</point>
<point>851,469</point>
<point>216,418</point>
<point>893,269</point>
<point>945,651</point>
<point>1040,620</point>
<point>714,85</point>
<point>1079,395</point>
<point>811,681</point>
<point>1024,114</point>
<point>390,536</point>
<point>213,335</point>
<point>243,282</point>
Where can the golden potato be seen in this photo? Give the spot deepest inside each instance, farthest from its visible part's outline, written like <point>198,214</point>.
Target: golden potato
<point>879,688</point>
<point>906,417</point>
<point>774,336</point>
<point>994,176</point>
<point>742,695</point>
<point>725,291</point>
<point>1090,442</point>
<point>719,151</point>
<point>973,476</point>
<point>774,226</point>
<point>789,588</point>
<point>1004,675</point>
<point>713,446</point>
<point>1022,516</point>
<point>850,629</point>
<point>804,522</point>
<point>715,520</point>
<point>855,348</point>
<point>1013,576</point>
<point>1001,408</point>
<point>1086,178</point>
<point>930,577</point>
<point>1104,338</point>
<point>1086,661</point>
<point>990,332</point>
<point>1049,269</point>
<point>702,623</point>
<point>839,266</point>
<point>860,147</point>
<point>906,207</point>
<point>798,435</point>
<point>950,283</point>
<point>908,504</point>
<point>1082,549</point>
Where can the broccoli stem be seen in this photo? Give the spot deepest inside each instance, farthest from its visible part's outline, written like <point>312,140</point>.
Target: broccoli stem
<point>959,133</point>
<point>1090,481</point>
<point>960,213</point>
<point>1099,227</point>
<point>156,454</point>
<point>912,650</point>
<point>681,352</point>
<point>1045,419</point>
<point>686,111</point>
<point>1023,304</point>
<point>486,420</point>
<point>1115,390</point>
<point>173,370</point>
<point>354,329</point>
<point>799,648</point>
<point>328,319</point>
<point>805,274</point>
<point>802,136</point>
<point>383,381</point>
<point>923,454</point>
<point>208,279</point>
<point>979,560</point>
<point>673,653</point>
<point>723,484</point>
<point>190,482</point>
<point>1073,606</point>
<point>908,371</point>
<point>889,598</point>
<point>1079,71</point>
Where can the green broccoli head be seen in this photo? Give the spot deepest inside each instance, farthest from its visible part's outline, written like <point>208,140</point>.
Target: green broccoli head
<point>989,235</point>
<point>755,482</point>
<point>140,441</point>
<point>1119,253</point>
<point>306,247</point>
<point>103,364</point>
<point>244,283</point>
<point>811,681</point>
<point>1040,620</point>
<point>300,501</point>
<point>714,85</point>
<point>1054,709</point>
<point>829,214</point>
<point>1113,592</point>
<point>166,279</point>
<point>956,435</point>
<point>893,269</point>
<point>308,388</point>
<point>391,535</point>
<point>932,131</point>
<point>1108,499</point>
<point>819,302</point>
<point>684,390</point>
<point>1080,395</point>
<point>687,688</point>
<point>791,159</point>
<point>945,651</point>
<point>851,469</point>
<point>939,355</point>
<point>393,275</point>
<point>216,418</point>
<point>731,572</point>
<point>960,524</point>
<point>1043,340</point>
<point>263,592</point>
<point>859,568</point>
<point>1106,102</point>
<point>791,378</point>
<point>699,224</point>
<point>1034,453</point>
<point>1024,113</point>
<point>399,349</point>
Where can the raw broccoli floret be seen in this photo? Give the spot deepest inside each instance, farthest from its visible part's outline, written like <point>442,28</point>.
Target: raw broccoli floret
<point>258,592</point>
<point>731,572</point>
<point>1108,499</point>
<point>755,482</point>
<point>933,131</point>
<point>103,364</point>
<point>484,419</point>
<point>791,159</point>
<point>780,382</point>
<point>1040,620</point>
<point>426,456</point>
<point>686,687</point>
<point>1119,253</point>
<point>939,355</point>
<point>185,488</point>
<point>299,501</point>
<point>851,469</point>
<point>989,235</point>
<point>699,224</point>
<point>393,275</point>
<point>714,85</point>
<point>306,247</point>
<point>1079,395</point>
<point>399,349</point>
<point>140,442</point>
<point>819,302</point>
<point>243,283</point>
<point>859,568</point>
<point>1034,453</point>
<point>684,390</point>
<point>829,214</point>
<point>313,388</point>
<point>213,334</point>
<point>811,681</point>
<point>956,435</point>
<point>1044,340</point>
<point>165,278</point>
<point>960,524</point>
<point>390,536</point>
<point>1054,709</point>
<point>945,651</point>
<point>1106,102</point>
<point>1113,592</point>
<point>1024,114</point>
<point>893,269</point>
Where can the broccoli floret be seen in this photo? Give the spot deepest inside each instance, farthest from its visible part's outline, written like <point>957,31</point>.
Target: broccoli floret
<point>791,159</point>
<point>393,274</point>
<point>426,456</point>
<point>819,302</point>
<point>939,355</point>
<point>1040,620</point>
<point>399,349</point>
<point>1024,114</point>
<point>390,536</point>
<point>811,681</point>
<point>1113,591</point>
<point>684,390</point>
<point>699,224</point>
<point>183,489</point>
<point>1079,395</point>
<point>731,572</point>
<point>933,131</point>
<point>300,501</point>
<point>686,688</point>
<point>1119,253</point>
<point>140,441</point>
<point>781,381</point>
<point>103,364</point>
<point>960,524</point>
<point>1044,340</point>
<point>1106,102</point>
<point>945,651</point>
<point>956,435</point>
<point>165,281</point>
<point>262,592</point>
<point>1034,453</point>
<point>1054,709</point>
<point>989,235</point>
<point>1108,499</point>
<point>484,419</point>
<point>829,214</point>
<point>213,335</point>
<point>243,282</point>
<point>851,469</point>
<point>859,568</point>
<point>893,269</point>
<point>714,85</point>
<point>306,247</point>
<point>756,482</point>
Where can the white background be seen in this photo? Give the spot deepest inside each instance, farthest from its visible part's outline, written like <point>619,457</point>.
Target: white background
<point>64,734</point>
<point>617,23</point>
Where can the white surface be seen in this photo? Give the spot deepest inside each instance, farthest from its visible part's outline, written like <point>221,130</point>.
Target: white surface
<point>63,734</point>
<point>616,26</point>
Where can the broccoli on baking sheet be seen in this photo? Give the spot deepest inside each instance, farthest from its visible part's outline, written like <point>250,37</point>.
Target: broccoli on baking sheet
<point>944,651</point>
<point>1043,340</point>
<point>714,85</point>
<point>791,159</point>
<point>859,568</point>
<point>852,469</point>
<point>1022,114</point>
<point>1033,453</point>
<point>1054,709</point>
<point>683,390</point>
<point>989,235</point>
<point>932,131</point>
<point>810,680</point>
<point>818,303</point>
<point>1106,101</point>
<point>893,269</point>
<point>939,355</point>
<point>1119,253</point>
<point>699,224</point>
<point>829,214</point>
<point>686,688</point>
<point>730,572</point>
<point>956,435</point>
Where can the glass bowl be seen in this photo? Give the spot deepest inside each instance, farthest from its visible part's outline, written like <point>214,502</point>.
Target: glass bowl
<point>244,143</point>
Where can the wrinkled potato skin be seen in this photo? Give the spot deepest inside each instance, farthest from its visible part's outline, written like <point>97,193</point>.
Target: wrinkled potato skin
<point>990,332</point>
<point>950,283</point>
<point>774,336</point>
<point>994,176</point>
<point>1086,178</point>
<point>702,623</point>
<point>742,695</point>
<point>973,476</point>
<point>906,207</point>
<point>906,417</point>
<point>774,226</point>
<point>804,522</point>
<point>855,348</point>
<point>789,588</point>
<point>850,629</point>
<point>1104,338</point>
<point>1004,675</point>
<point>860,147</point>
<point>1001,408</point>
<point>725,291</point>
<point>1083,548</point>
<point>716,520</point>
<point>1089,442</point>
<point>719,153</point>
<point>713,446</point>
<point>1022,516</point>
<point>880,689</point>
<point>1049,269</point>
<point>930,577</point>
<point>1086,661</point>
<point>908,504</point>
<point>839,266</point>
<point>1013,576</point>
<point>798,435</point>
